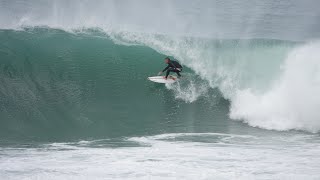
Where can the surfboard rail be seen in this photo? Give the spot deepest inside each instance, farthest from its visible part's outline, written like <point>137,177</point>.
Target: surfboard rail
<point>161,79</point>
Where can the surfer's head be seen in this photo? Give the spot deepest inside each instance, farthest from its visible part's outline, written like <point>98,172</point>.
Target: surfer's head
<point>167,60</point>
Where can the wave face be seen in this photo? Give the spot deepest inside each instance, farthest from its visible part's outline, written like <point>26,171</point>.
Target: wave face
<point>57,85</point>
<point>269,83</point>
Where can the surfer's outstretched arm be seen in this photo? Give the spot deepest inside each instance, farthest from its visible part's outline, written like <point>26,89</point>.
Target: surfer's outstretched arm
<point>163,70</point>
<point>166,68</point>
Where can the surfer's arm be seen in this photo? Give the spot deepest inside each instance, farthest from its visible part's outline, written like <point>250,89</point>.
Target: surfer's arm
<point>165,68</point>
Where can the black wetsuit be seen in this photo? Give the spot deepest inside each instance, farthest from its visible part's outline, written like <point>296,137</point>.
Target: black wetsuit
<point>173,66</point>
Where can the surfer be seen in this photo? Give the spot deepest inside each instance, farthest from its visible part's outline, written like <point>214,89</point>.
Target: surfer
<point>173,66</point>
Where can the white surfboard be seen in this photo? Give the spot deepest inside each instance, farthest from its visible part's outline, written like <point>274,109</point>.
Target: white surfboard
<point>161,79</point>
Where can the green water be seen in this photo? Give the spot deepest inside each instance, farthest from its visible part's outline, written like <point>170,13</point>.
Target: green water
<point>62,86</point>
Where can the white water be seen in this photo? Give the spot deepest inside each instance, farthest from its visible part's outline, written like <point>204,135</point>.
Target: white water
<point>272,87</point>
<point>292,102</point>
<point>291,20</point>
<point>169,156</point>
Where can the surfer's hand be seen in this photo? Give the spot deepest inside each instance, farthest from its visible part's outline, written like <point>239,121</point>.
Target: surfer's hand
<point>159,73</point>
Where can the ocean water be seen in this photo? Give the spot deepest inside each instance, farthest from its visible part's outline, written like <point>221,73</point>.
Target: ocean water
<point>75,102</point>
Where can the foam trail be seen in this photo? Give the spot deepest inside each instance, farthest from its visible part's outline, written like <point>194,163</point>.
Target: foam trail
<point>189,88</point>
<point>294,100</point>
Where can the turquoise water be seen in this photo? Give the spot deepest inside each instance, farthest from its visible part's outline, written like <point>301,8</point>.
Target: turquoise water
<point>60,86</point>
<point>75,102</point>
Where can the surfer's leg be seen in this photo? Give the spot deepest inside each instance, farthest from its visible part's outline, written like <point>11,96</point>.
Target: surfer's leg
<point>177,72</point>
<point>167,73</point>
